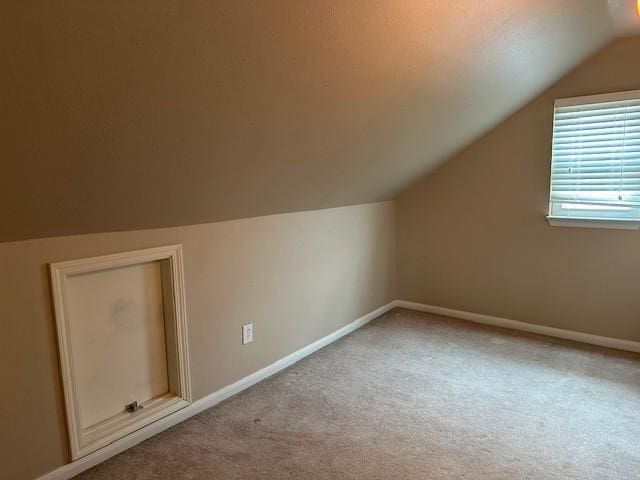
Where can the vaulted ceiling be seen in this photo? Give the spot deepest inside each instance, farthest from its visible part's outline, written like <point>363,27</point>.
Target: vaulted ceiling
<point>138,114</point>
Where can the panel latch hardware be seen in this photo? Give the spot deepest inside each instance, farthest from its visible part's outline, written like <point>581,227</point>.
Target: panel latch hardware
<point>132,407</point>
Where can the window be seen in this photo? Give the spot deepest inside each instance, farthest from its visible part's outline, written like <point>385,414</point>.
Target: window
<point>595,165</point>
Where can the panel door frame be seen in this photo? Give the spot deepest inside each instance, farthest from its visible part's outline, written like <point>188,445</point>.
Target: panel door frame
<point>86,440</point>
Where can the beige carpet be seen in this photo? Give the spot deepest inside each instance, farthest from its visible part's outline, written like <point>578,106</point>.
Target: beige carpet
<point>414,396</point>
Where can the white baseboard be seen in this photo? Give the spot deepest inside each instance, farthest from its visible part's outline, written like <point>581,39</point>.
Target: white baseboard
<point>609,342</point>
<point>74,468</point>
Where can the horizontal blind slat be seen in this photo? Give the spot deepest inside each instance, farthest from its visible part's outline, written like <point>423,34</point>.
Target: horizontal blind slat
<point>595,200</point>
<point>613,146</point>
<point>607,120</point>
<point>599,106</point>
<point>596,163</point>
<point>576,156</point>
<point>593,139</point>
<point>595,187</point>
<point>571,176</point>
<point>579,133</point>
<point>594,172</point>
<point>598,170</point>
<point>564,115</point>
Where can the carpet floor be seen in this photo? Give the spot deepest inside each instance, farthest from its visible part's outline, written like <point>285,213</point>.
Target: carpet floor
<point>415,396</point>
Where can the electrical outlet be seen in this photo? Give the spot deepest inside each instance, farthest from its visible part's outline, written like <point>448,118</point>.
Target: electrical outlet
<point>247,333</point>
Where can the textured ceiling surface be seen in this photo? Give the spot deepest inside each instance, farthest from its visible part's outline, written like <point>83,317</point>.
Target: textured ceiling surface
<point>625,15</point>
<point>137,114</point>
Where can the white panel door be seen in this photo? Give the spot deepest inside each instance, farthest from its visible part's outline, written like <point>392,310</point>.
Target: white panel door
<point>118,337</point>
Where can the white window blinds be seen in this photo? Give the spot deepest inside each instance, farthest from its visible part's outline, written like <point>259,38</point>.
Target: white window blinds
<point>595,166</point>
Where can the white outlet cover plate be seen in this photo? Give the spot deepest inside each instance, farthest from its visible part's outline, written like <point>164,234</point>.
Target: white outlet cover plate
<point>247,333</point>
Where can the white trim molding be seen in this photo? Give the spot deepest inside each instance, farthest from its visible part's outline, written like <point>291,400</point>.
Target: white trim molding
<point>612,224</point>
<point>616,343</point>
<point>85,439</point>
<point>74,468</point>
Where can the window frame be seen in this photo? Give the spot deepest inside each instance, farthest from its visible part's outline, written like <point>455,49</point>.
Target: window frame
<point>573,217</point>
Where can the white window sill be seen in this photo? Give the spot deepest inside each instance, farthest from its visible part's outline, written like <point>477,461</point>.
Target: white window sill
<point>594,223</point>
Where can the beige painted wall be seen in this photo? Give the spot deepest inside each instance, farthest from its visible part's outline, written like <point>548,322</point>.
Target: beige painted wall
<point>473,235</point>
<point>297,276</point>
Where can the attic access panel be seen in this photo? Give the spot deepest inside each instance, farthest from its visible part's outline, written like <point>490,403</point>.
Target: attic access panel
<point>123,343</point>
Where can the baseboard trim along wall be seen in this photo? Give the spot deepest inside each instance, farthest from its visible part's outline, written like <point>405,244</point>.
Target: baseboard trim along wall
<point>70,470</point>
<point>74,468</point>
<point>609,342</point>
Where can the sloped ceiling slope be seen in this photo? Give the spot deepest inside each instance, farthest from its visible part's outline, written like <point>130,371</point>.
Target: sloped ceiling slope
<point>127,115</point>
